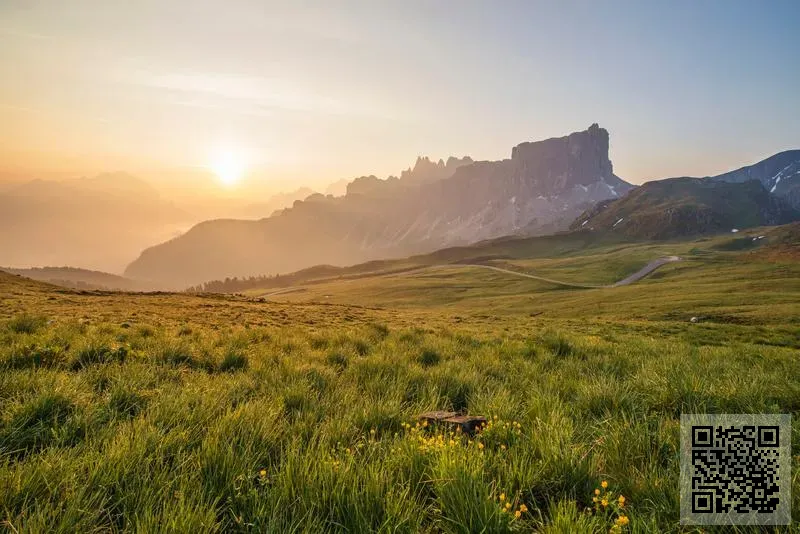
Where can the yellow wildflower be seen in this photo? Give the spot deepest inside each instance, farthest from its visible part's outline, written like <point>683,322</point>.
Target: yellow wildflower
<point>517,514</point>
<point>263,473</point>
<point>597,492</point>
<point>623,520</point>
<point>508,505</point>
<point>621,500</point>
<point>604,502</point>
<point>502,497</point>
<point>523,508</point>
<point>604,484</point>
<point>480,445</point>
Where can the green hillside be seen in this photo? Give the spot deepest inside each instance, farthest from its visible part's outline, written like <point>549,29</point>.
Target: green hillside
<point>679,207</point>
<point>297,411</point>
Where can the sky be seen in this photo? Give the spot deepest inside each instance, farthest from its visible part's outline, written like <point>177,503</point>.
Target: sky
<point>306,93</point>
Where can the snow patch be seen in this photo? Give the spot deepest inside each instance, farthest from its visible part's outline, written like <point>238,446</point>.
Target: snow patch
<point>584,222</point>
<point>777,181</point>
<point>734,230</point>
<point>613,191</point>
<point>513,199</point>
<point>779,176</point>
<point>619,221</point>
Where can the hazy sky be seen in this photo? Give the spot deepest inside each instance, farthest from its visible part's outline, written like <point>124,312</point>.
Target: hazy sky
<point>311,92</point>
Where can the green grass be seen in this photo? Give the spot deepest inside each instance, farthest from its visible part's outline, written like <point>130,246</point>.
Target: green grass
<point>186,413</point>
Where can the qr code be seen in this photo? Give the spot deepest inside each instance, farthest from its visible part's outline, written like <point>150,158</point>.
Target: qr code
<point>735,469</point>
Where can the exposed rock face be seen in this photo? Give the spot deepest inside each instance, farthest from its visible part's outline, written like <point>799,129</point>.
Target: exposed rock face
<point>541,189</point>
<point>426,171</point>
<point>554,165</point>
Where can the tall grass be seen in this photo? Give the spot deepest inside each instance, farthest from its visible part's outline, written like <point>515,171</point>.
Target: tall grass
<point>108,427</point>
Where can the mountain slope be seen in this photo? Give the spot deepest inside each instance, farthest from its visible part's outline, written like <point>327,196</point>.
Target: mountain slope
<point>779,174</point>
<point>76,278</point>
<point>540,189</point>
<point>678,207</point>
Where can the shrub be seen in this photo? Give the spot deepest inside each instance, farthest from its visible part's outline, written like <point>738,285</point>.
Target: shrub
<point>26,323</point>
<point>180,354</point>
<point>233,361</point>
<point>318,343</point>
<point>30,356</point>
<point>96,353</point>
<point>361,347</point>
<point>557,343</point>
<point>337,360</point>
<point>429,358</point>
<point>378,331</point>
<point>33,426</point>
<point>126,403</point>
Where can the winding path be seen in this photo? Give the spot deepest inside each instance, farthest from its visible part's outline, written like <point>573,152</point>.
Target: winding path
<point>638,275</point>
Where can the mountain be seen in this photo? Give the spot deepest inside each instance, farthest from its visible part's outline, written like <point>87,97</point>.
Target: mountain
<point>337,188</point>
<point>779,174</point>
<point>278,201</point>
<point>677,207</point>
<point>540,189</point>
<point>80,278</point>
<point>99,222</point>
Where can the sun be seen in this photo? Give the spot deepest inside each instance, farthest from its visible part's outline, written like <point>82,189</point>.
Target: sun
<point>229,166</point>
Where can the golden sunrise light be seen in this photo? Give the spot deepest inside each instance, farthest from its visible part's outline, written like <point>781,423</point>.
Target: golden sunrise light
<point>350,265</point>
<point>229,166</point>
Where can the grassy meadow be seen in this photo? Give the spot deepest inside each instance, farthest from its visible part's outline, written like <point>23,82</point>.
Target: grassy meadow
<point>296,411</point>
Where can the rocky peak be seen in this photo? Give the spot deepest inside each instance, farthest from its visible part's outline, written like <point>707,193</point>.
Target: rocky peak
<point>560,163</point>
<point>426,171</point>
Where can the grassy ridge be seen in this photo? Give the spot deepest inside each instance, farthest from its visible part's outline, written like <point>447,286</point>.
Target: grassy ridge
<point>187,413</point>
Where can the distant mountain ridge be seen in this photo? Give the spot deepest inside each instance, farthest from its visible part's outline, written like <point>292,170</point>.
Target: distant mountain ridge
<point>762,194</point>
<point>779,174</point>
<point>540,189</point>
<point>76,278</point>
<point>99,222</point>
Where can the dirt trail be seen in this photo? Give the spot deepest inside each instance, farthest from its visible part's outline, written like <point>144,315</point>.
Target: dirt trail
<point>638,275</point>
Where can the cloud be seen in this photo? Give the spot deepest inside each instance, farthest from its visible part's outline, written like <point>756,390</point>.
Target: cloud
<point>251,95</point>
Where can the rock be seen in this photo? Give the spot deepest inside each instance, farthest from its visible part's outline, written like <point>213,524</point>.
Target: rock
<point>436,417</point>
<point>467,424</point>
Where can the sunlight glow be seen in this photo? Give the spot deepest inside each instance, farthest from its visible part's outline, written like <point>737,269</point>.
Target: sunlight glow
<point>229,166</point>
